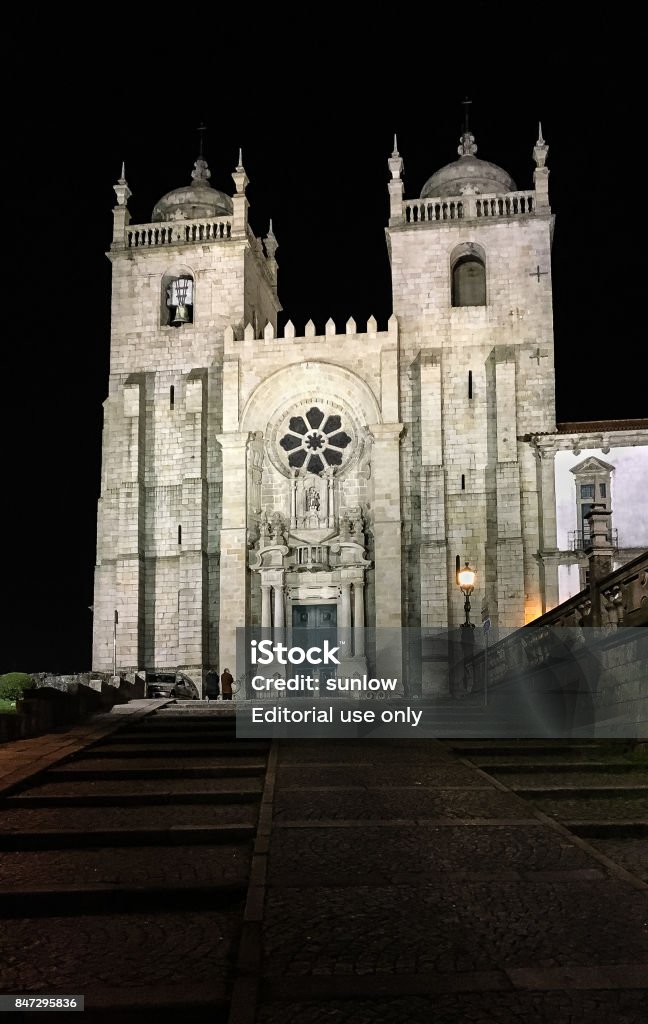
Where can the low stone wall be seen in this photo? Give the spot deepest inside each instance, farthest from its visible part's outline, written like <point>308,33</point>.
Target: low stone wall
<point>57,701</point>
<point>588,682</point>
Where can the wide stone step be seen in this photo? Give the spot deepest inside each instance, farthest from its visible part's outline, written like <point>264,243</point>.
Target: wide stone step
<point>574,792</point>
<point>168,816</point>
<point>55,901</point>
<point>518,767</point>
<point>203,734</point>
<point>636,827</point>
<point>103,771</point>
<point>537,750</point>
<point>58,839</point>
<point>237,748</point>
<point>150,799</point>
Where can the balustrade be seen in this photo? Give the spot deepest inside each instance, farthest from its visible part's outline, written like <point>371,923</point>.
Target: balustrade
<point>513,204</point>
<point>178,233</point>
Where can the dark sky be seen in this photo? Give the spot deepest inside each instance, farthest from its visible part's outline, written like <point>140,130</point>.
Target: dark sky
<point>316,129</point>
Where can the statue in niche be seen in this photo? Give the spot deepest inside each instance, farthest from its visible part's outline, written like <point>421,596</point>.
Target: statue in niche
<point>312,500</point>
<point>277,528</point>
<point>345,527</point>
<point>357,523</point>
<point>264,529</point>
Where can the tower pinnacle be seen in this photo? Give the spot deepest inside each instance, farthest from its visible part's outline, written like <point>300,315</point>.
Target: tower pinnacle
<point>122,190</point>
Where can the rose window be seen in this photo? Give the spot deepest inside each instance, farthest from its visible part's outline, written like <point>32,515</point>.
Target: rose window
<point>315,440</point>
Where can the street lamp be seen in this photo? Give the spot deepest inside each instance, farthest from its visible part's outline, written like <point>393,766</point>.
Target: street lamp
<point>466,582</point>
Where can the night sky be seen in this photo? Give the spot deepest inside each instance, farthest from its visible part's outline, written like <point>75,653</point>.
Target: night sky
<point>316,133</point>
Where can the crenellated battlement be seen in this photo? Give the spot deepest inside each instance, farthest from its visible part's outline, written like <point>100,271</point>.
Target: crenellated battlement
<point>235,337</point>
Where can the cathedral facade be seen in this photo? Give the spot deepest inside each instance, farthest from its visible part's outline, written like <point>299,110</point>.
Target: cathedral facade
<point>333,480</point>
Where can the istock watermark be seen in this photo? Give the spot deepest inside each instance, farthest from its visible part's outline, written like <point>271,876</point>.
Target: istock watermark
<point>546,682</point>
<point>265,652</point>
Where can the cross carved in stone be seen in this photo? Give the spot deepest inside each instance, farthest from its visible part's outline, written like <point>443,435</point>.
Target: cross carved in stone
<point>538,273</point>
<point>538,355</point>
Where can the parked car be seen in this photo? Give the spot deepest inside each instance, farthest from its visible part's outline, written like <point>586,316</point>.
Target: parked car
<point>171,684</point>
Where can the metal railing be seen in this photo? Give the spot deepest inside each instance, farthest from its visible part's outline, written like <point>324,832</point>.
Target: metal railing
<point>579,540</point>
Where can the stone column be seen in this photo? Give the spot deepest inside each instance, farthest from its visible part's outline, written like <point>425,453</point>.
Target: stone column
<point>345,606</point>
<point>358,619</point>
<point>279,617</point>
<point>266,618</point>
<point>599,554</point>
<point>192,572</point>
<point>129,569</point>
<point>387,542</point>
<point>510,548</point>
<point>233,545</point>
<point>548,527</point>
<point>293,500</point>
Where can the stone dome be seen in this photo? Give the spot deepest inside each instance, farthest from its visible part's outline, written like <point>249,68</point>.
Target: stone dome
<point>191,202</point>
<point>468,172</point>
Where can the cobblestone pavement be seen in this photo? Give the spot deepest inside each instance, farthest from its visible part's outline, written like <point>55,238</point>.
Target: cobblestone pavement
<point>397,853</point>
<point>403,872</point>
<point>474,1008</point>
<point>75,954</point>
<point>449,927</point>
<point>368,752</point>
<point>411,803</point>
<point>436,776</point>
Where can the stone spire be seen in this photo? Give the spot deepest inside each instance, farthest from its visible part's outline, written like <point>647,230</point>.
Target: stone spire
<point>239,176</point>
<point>541,173</point>
<point>121,214</point>
<point>239,199</point>
<point>122,190</point>
<point>395,164</point>
<point>540,149</point>
<point>270,242</point>
<point>271,246</point>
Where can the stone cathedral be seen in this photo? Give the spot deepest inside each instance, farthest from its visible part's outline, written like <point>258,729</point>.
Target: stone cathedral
<point>252,478</point>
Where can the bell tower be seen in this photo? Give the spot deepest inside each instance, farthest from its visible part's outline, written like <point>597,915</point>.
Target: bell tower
<point>179,281</point>
<point>471,281</point>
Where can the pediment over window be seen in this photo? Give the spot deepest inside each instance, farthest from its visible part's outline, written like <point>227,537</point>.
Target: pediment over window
<point>591,465</point>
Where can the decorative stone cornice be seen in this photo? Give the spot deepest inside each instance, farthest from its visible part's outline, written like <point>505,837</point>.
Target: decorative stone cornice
<point>385,432</point>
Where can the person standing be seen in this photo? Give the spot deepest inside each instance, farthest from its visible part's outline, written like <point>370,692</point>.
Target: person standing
<point>227,680</point>
<point>212,691</point>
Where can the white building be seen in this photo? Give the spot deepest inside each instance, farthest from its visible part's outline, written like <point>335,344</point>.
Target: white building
<point>333,480</point>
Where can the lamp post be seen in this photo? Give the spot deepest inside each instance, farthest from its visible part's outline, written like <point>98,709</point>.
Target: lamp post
<point>115,623</point>
<point>466,582</point>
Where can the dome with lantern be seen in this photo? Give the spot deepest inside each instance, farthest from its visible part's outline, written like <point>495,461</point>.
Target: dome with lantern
<point>191,202</point>
<point>467,174</point>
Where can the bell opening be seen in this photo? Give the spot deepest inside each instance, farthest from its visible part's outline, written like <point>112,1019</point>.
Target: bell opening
<point>180,301</point>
